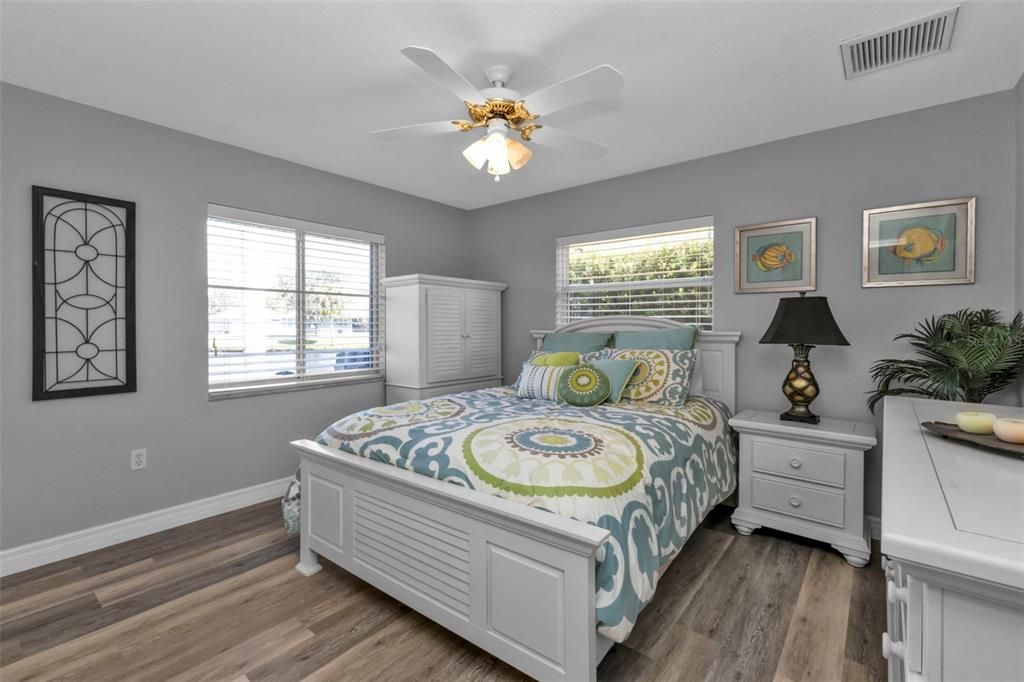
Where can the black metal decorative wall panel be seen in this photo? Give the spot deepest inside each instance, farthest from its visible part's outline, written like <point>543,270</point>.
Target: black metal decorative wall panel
<point>84,294</point>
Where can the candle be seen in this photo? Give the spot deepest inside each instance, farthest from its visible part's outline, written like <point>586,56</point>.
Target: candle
<point>1009,429</point>
<point>975,422</point>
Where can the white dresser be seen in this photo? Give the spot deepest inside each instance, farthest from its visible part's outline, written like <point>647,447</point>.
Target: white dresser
<point>953,546</point>
<point>443,335</point>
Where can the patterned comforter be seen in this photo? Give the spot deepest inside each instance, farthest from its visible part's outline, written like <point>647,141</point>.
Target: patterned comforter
<point>648,473</point>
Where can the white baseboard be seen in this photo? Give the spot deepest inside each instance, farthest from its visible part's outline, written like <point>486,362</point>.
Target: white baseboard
<point>24,557</point>
<point>875,524</point>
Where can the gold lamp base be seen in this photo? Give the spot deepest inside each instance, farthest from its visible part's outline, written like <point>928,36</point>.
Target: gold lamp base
<point>800,387</point>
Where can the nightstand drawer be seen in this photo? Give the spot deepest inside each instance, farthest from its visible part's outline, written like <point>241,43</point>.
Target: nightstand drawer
<point>798,461</point>
<point>797,500</point>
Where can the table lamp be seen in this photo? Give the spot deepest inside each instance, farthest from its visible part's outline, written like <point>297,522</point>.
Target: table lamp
<point>803,322</point>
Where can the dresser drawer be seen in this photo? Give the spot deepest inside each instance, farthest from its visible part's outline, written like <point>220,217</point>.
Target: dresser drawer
<point>797,500</point>
<point>798,461</point>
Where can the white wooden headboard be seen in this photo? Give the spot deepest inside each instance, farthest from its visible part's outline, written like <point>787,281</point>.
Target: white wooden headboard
<point>717,349</point>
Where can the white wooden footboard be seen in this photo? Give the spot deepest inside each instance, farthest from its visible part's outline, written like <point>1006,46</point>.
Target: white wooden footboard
<point>514,580</point>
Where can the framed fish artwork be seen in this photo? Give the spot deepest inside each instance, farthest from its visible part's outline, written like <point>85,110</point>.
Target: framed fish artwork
<point>776,257</point>
<point>919,244</point>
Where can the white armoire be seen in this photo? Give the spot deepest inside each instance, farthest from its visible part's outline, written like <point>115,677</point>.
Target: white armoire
<point>443,335</point>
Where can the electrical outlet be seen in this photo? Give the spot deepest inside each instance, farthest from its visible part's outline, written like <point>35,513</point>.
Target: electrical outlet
<point>138,460</point>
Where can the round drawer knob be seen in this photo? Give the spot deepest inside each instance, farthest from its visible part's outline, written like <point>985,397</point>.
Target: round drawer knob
<point>795,502</point>
<point>891,648</point>
<point>795,463</point>
<point>895,594</point>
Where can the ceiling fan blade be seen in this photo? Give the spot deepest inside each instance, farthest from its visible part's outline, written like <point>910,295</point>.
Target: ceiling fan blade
<point>418,130</point>
<point>443,73</point>
<point>583,87</point>
<point>555,138</point>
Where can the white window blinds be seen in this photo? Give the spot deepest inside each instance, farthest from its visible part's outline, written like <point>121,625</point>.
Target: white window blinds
<point>290,302</point>
<point>665,270</point>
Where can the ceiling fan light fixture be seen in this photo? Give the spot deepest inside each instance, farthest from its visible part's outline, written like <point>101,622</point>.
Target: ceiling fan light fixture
<point>501,154</point>
<point>497,153</point>
<point>499,166</point>
<point>518,154</point>
<point>500,109</point>
<point>476,154</point>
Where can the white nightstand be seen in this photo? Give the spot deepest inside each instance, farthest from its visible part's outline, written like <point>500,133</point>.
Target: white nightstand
<point>806,479</point>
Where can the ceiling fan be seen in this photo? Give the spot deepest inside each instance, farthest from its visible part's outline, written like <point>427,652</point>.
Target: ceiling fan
<point>504,113</point>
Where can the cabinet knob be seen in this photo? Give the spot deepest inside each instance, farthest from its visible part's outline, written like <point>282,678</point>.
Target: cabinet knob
<point>895,594</point>
<point>795,502</point>
<point>795,463</point>
<point>891,648</point>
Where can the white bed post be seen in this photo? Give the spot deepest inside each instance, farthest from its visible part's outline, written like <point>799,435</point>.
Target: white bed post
<point>308,564</point>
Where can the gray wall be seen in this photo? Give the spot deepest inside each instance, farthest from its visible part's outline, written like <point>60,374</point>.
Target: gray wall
<point>1019,130</point>
<point>65,462</point>
<point>952,150</point>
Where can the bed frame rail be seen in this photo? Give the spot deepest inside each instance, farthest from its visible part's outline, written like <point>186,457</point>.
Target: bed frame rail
<point>514,580</point>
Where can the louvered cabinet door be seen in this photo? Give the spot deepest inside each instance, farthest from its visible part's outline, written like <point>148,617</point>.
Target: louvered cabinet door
<point>483,326</point>
<point>446,342</point>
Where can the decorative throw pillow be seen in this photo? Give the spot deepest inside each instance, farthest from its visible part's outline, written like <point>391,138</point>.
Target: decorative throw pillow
<point>662,376</point>
<point>560,359</point>
<point>682,338</point>
<point>543,358</point>
<point>539,382</point>
<point>584,386</point>
<point>619,373</point>
<point>696,376</point>
<point>603,354</point>
<point>581,342</point>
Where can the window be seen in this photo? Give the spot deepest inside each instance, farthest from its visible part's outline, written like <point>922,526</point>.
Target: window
<point>290,304</point>
<point>665,270</point>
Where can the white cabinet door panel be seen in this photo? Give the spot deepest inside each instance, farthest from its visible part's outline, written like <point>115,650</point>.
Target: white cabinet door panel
<point>483,356</point>
<point>445,334</point>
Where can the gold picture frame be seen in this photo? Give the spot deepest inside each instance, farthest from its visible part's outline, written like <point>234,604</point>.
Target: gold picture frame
<point>924,244</point>
<point>776,257</point>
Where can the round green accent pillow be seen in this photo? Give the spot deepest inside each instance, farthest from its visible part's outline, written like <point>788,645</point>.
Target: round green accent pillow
<point>584,386</point>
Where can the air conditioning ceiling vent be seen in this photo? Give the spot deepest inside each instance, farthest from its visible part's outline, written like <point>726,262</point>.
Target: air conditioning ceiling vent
<point>912,40</point>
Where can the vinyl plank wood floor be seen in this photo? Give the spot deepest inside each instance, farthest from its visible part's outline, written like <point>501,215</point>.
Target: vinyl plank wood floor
<point>219,600</point>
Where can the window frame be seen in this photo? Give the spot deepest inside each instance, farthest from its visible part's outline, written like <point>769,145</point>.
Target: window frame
<point>564,244</point>
<point>303,381</point>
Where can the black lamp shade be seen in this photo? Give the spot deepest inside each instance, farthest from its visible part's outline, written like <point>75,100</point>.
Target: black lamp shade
<point>804,320</point>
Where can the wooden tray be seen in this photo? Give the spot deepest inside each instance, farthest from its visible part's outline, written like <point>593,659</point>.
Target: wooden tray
<point>989,441</point>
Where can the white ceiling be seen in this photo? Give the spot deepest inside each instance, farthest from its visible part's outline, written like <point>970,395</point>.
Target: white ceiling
<point>308,81</point>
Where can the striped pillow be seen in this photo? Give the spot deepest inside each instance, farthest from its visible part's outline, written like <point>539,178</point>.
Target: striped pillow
<point>540,382</point>
<point>551,358</point>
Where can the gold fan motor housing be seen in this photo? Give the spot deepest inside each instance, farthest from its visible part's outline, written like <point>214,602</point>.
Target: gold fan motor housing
<point>514,113</point>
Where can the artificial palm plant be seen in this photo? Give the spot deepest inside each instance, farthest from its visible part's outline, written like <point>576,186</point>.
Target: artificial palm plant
<point>965,355</point>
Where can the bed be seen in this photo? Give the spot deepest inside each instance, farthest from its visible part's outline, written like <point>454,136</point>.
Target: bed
<point>549,593</point>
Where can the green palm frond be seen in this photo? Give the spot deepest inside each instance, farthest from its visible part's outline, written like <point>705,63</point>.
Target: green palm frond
<point>966,355</point>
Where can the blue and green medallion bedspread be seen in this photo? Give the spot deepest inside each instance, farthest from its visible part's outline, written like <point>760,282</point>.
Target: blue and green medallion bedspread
<point>648,473</point>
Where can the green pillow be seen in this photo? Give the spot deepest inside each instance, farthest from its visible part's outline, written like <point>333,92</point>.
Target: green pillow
<point>668,339</point>
<point>562,359</point>
<point>584,386</point>
<point>619,373</point>
<point>581,342</point>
